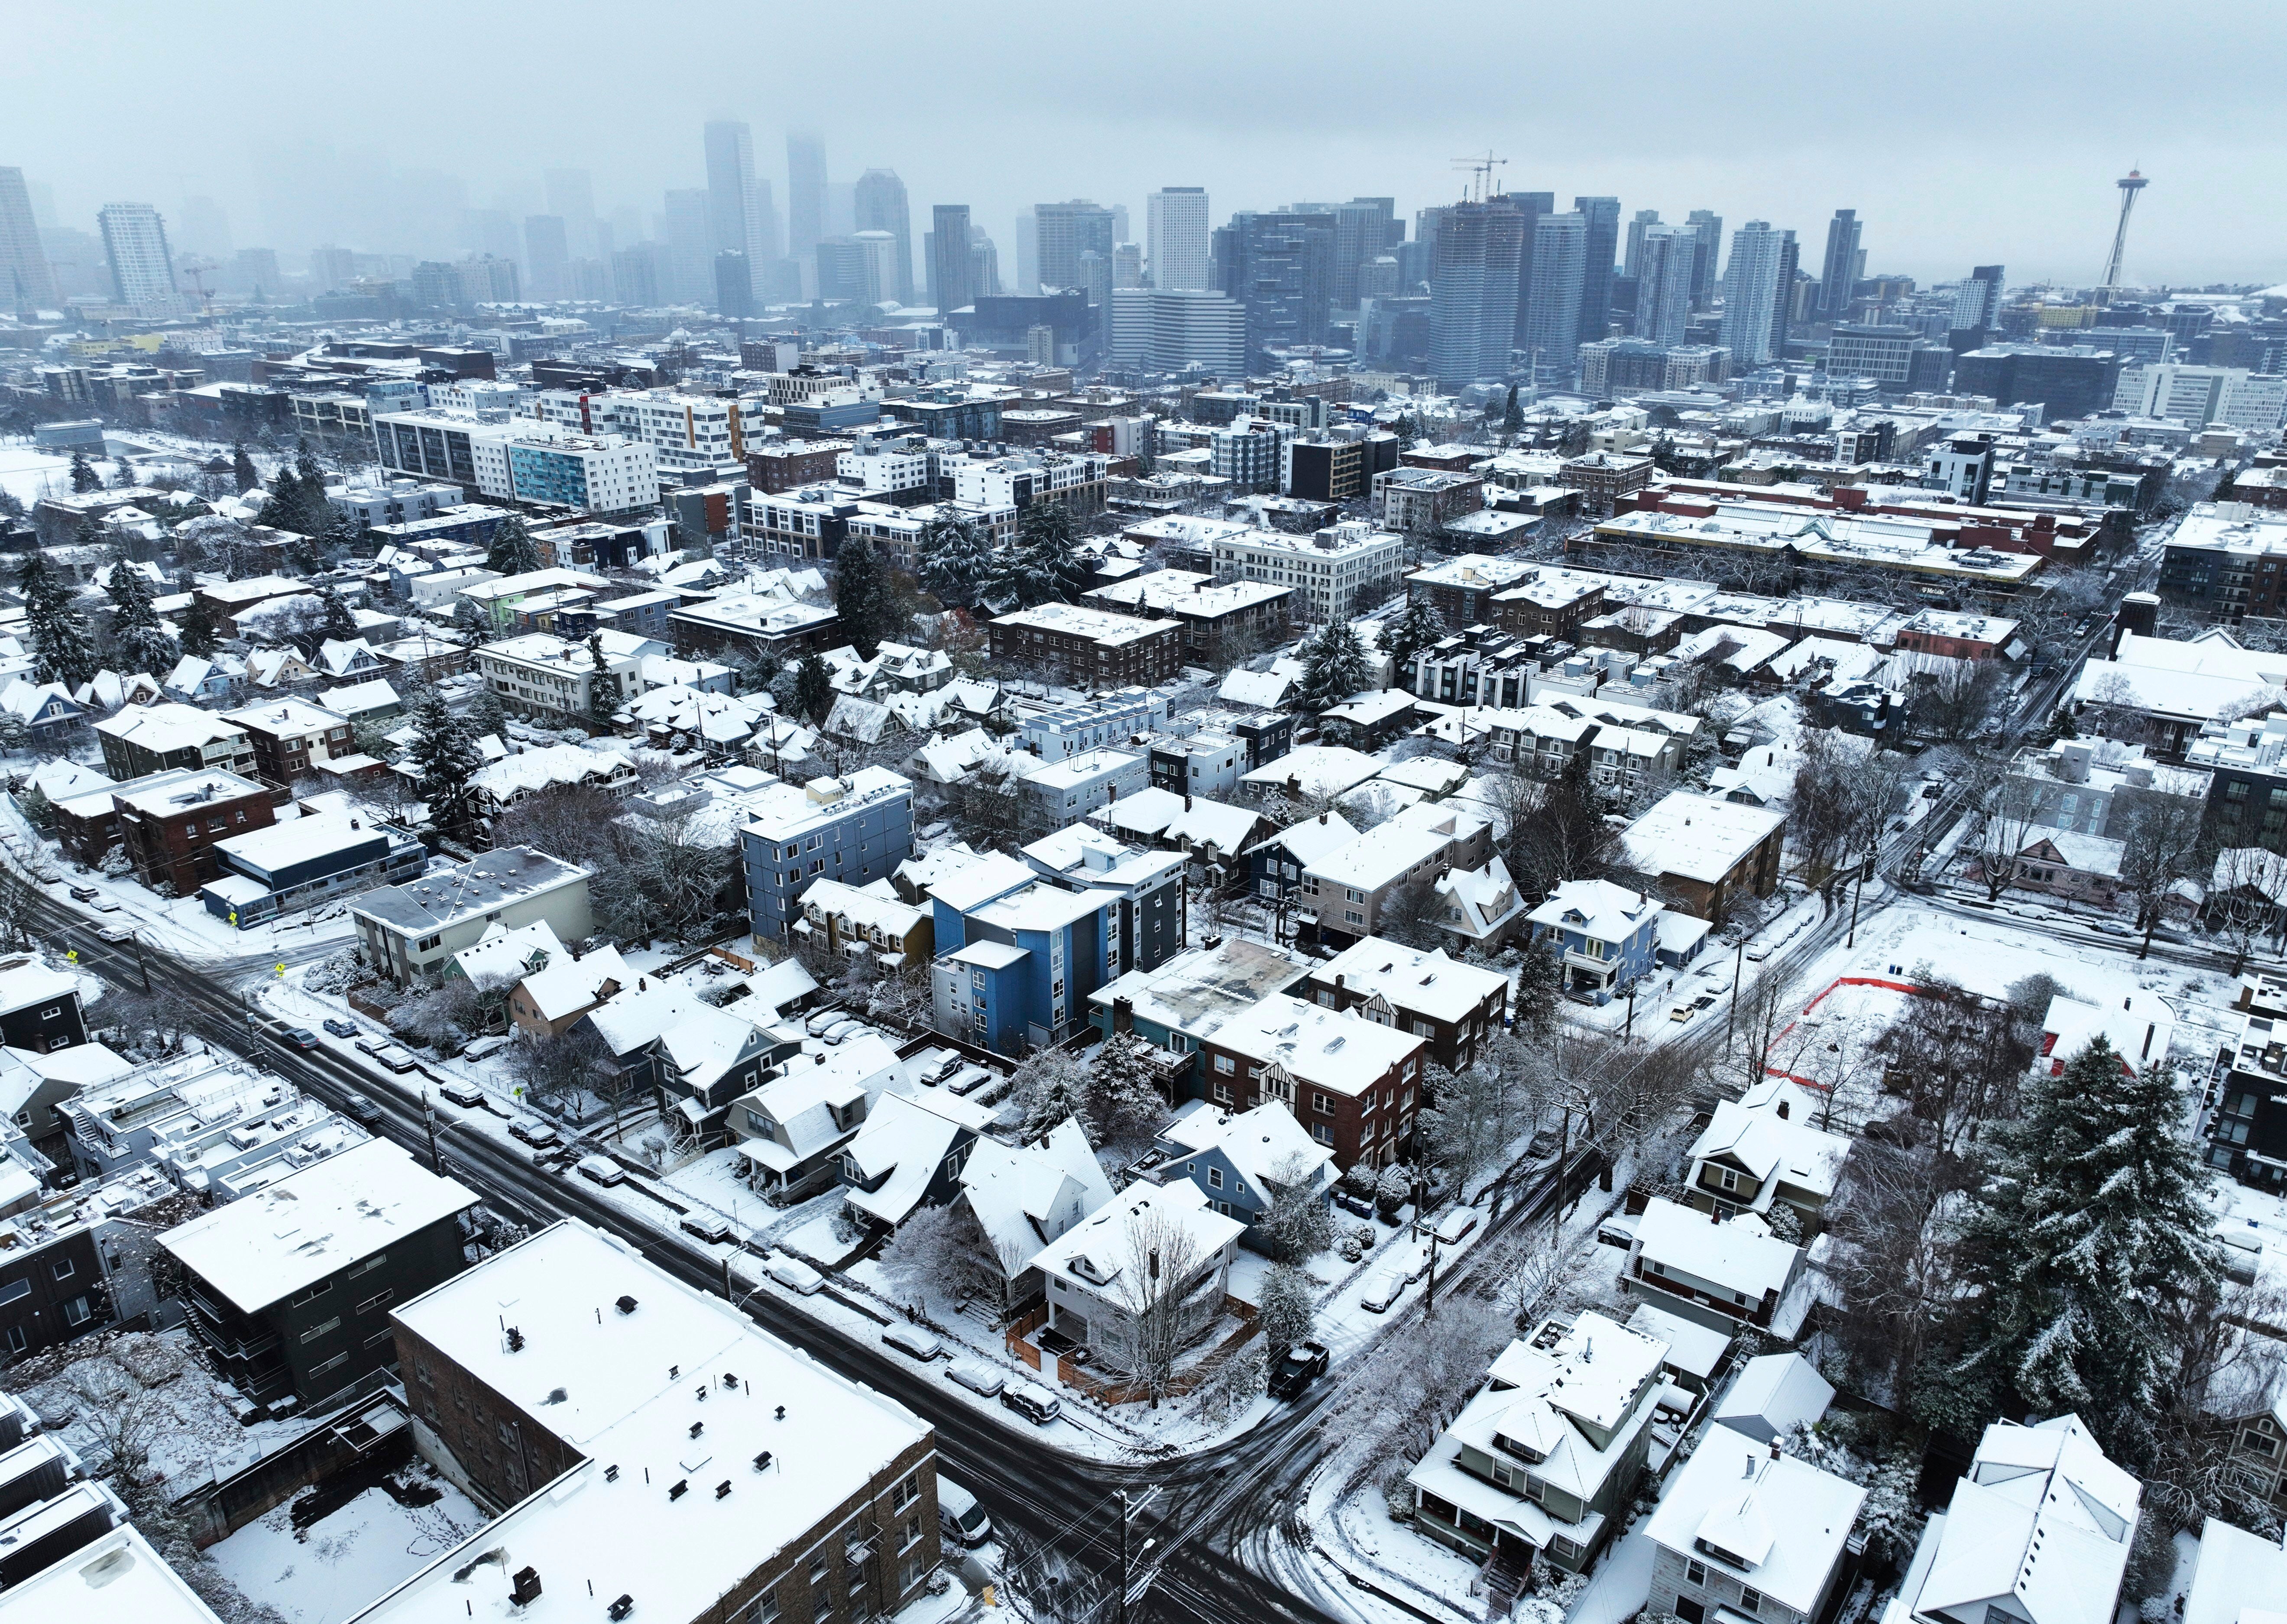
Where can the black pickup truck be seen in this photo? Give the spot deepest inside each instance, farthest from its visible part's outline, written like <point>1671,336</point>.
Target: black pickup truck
<point>1304,1363</point>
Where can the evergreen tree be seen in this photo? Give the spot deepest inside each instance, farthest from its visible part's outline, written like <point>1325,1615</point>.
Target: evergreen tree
<point>1125,1101</point>
<point>84,476</point>
<point>1415,628</point>
<point>142,644</point>
<point>242,469</point>
<point>444,760</point>
<point>1047,568</point>
<point>199,630</point>
<point>487,715</point>
<point>474,625</point>
<point>341,625</point>
<point>1334,668</point>
<point>865,597</point>
<point>1512,417</point>
<point>604,686</point>
<point>283,509</point>
<point>813,690</point>
<point>1289,1309</point>
<point>58,633</point>
<point>2088,1255</point>
<point>1539,987</point>
<point>123,475</point>
<point>1050,1086</point>
<point>955,561</point>
<point>513,552</point>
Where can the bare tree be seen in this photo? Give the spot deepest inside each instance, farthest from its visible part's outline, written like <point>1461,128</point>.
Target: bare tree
<point>945,1250</point>
<point>2006,804</point>
<point>1163,1307</point>
<point>2240,909</point>
<point>2160,845</point>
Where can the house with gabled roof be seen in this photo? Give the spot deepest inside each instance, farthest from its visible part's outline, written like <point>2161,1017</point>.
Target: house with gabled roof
<point>910,1154</point>
<point>1744,1532</point>
<point>1607,935</point>
<point>1244,1163</point>
<point>1745,1160</point>
<point>1422,991</point>
<point>1721,1274</point>
<point>1025,1196</point>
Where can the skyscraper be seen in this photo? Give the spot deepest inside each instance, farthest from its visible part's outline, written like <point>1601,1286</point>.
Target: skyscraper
<point>1560,278</point>
<point>1176,234</point>
<point>571,197</point>
<point>1601,217</point>
<point>1473,285</point>
<point>1977,304</point>
<point>689,260</point>
<point>1028,254</point>
<point>734,288</point>
<point>1756,285</point>
<point>548,255</point>
<point>1280,266</point>
<point>805,192</point>
<point>1666,256</point>
<point>1534,206</point>
<point>23,262</point>
<point>1838,276</point>
<point>1361,229</point>
<point>1165,330</point>
<point>1127,265</point>
<point>1632,263</point>
<point>135,241</point>
<point>950,260</point>
<point>1709,225</point>
<point>1067,231</point>
<point>879,204</point>
<point>730,173</point>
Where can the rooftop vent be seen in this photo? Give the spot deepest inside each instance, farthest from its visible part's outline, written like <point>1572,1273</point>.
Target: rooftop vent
<point>611,1474</point>
<point>620,1608</point>
<point>681,1488</point>
<point>698,1427</point>
<point>763,1461</point>
<point>515,1340</point>
<point>526,1591</point>
<point>722,1489</point>
<point>626,1305</point>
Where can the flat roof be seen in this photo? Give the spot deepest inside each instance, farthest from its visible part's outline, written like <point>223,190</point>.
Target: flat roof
<point>478,886</point>
<point>312,1223</point>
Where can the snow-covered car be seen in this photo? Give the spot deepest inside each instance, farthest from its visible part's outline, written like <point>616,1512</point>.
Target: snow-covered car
<point>913,1342</point>
<point>978,1377</point>
<point>1384,1289</point>
<point>795,1275</point>
<point>599,1169</point>
<point>395,1058</point>
<point>705,1226</point>
<point>339,1027</point>
<point>114,934</point>
<point>1456,1225</point>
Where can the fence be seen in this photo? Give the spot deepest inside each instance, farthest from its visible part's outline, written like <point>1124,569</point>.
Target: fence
<point>377,1433</point>
<point>1095,1387</point>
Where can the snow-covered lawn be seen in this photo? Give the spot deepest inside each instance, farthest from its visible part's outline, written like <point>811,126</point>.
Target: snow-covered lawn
<point>340,1564</point>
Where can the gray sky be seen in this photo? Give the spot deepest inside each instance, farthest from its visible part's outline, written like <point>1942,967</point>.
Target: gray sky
<point>1961,132</point>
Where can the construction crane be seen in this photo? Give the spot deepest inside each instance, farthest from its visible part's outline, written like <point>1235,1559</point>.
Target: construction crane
<point>1482,169</point>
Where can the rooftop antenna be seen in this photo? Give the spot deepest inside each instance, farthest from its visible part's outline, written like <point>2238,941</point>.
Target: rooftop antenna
<point>1480,170</point>
<point>2130,185</point>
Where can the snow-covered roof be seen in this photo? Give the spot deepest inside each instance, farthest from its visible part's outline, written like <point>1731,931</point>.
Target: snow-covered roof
<point>301,840</point>
<point>1027,1196</point>
<point>1741,1254</point>
<point>1327,1049</point>
<point>907,1137</point>
<point>2084,854</point>
<point>131,1578</point>
<point>1596,908</point>
<point>312,1224</point>
<point>1778,1522</point>
<point>1163,814</point>
<point>355,699</point>
<point>61,777</point>
<point>547,766</point>
<point>163,729</point>
<point>1423,981</point>
<point>1696,836</point>
<point>862,905</point>
<point>1266,690</point>
<point>1772,1393</point>
<point>2241,1579</point>
<point>1259,1143</point>
<point>1381,856</point>
<point>1693,1347</point>
<point>1311,838</point>
<point>1099,1256</point>
<point>1315,770</point>
<point>632,1389</point>
<point>2139,1028</point>
<point>2040,1524</point>
<point>1775,1149</point>
<point>502,957</point>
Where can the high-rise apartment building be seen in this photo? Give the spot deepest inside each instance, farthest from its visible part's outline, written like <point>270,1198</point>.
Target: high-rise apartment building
<point>1756,285</point>
<point>1709,225</point>
<point>30,285</point>
<point>952,285</point>
<point>1473,283</point>
<point>1838,278</point>
<point>878,203</point>
<point>1553,324</point>
<point>571,198</point>
<point>1534,206</point>
<point>2198,396</point>
<point>1127,265</point>
<point>734,285</point>
<point>1666,259</point>
<point>1280,266</point>
<point>1977,302</point>
<point>1176,233</point>
<point>1095,277</point>
<point>1362,228</point>
<point>1028,254</point>
<point>135,241</point>
<point>741,216</point>
<point>805,192</point>
<point>1065,231</point>
<point>1632,262</point>
<point>1601,217</point>
<point>548,255</point>
<point>1165,329</point>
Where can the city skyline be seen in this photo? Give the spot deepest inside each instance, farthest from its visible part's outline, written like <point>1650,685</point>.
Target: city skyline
<point>2028,183</point>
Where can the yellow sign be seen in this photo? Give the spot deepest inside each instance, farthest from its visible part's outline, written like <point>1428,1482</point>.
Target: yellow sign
<point>987,1597</point>
<point>281,970</point>
<point>73,955</point>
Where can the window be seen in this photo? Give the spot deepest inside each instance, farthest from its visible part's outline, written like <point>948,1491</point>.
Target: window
<point>61,1268</point>
<point>1323,1106</point>
<point>1223,1093</point>
<point>1750,1599</point>
<point>1224,1064</point>
<point>1323,1134</point>
<point>819,1563</point>
<point>1690,1611</point>
<point>380,1299</point>
<point>335,1363</point>
<point>324,1328</point>
<point>1694,1573</point>
<point>310,1293</point>
<point>822,1603</point>
<point>52,1014</point>
<point>1215,1178</point>
<point>905,1492</point>
<point>76,1311</point>
<point>15,1338</point>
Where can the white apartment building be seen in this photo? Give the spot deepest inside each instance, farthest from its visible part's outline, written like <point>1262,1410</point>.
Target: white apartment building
<point>1074,478</point>
<point>2197,396</point>
<point>547,677</point>
<point>685,431</point>
<point>1165,330</point>
<point>488,398</point>
<point>1329,570</point>
<point>878,469</point>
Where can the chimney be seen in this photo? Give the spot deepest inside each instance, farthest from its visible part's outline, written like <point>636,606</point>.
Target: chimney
<point>1339,979</point>
<point>1322,817</point>
<point>1783,1111</point>
<point>1775,1449</point>
<point>1187,800</point>
<point>1123,1015</point>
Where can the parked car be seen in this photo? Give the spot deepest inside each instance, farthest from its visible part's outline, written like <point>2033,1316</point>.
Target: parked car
<point>358,1108</point>
<point>532,1132</point>
<point>958,1516</point>
<point>341,1028</point>
<point>460,1094</point>
<point>84,893</point>
<point>1034,1403</point>
<point>1383,1290</point>
<point>1759,952</point>
<point>706,1226</point>
<point>795,1275</point>
<point>481,1047</point>
<point>913,1342</point>
<point>1304,1363</point>
<point>1456,1225</point>
<point>114,934</point>
<point>599,1169</point>
<point>978,1377</point>
<point>395,1058</point>
<point>106,904</point>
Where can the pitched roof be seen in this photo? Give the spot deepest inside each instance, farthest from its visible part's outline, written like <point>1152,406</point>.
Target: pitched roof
<point>1027,1196</point>
<point>1785,1520</point>
<point>565,986</point>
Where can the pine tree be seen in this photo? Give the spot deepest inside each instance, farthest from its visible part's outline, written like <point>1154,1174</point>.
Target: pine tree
<point>142,644</point>
<point>513,552</point>
<point>864,596</point>
<point>474,625</point>
<point>1048,569</point>
<point>1512,417</point>
<point>60,635</point>
<point>2087,1251</point>
<point>1050,1087</point>
<point>242,469</point>
<point>1415,628</point>
<point>444,762</point>
<point>1125,1100</point>
<point>283,509</point>
<point>1334,668</point>
<point>487,715</point>
<point>813,689</point>
<point>341,625</point>
<point>955,561</point>
<point>1539,985</point>
<point>84,476</point>
<point>200,640</point>
<point>604,686</point>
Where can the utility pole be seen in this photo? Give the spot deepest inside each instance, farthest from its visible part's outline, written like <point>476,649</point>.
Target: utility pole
<point>1738,966</point>
<point>1864,868</point>
<point>1628,1032</point>
<point>429,1121</point>
<point>1123,1556</point>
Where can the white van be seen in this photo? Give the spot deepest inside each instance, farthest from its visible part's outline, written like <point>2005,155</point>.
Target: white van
<point>959,1515</point>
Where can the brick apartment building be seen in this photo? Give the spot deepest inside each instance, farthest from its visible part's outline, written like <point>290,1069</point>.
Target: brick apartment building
<point>1604,478</point>
<point>291,736</point>
<point>145,738</point>
<point>1350,1082</point>
<point>1088,648</point>
<point>169,825</point>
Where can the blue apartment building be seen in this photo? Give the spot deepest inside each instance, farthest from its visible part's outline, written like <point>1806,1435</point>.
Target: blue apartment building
<point>856,831</point>
<point>1014,971</point>
<point>314,859</point>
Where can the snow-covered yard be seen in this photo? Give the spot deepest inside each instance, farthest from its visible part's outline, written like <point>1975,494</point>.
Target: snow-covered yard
<point>336,1567</point>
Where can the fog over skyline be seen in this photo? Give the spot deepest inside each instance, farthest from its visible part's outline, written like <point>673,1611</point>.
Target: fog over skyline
<point>1962,134</point>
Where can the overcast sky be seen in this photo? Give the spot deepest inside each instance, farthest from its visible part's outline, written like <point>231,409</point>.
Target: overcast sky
<point>1963,133</point>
